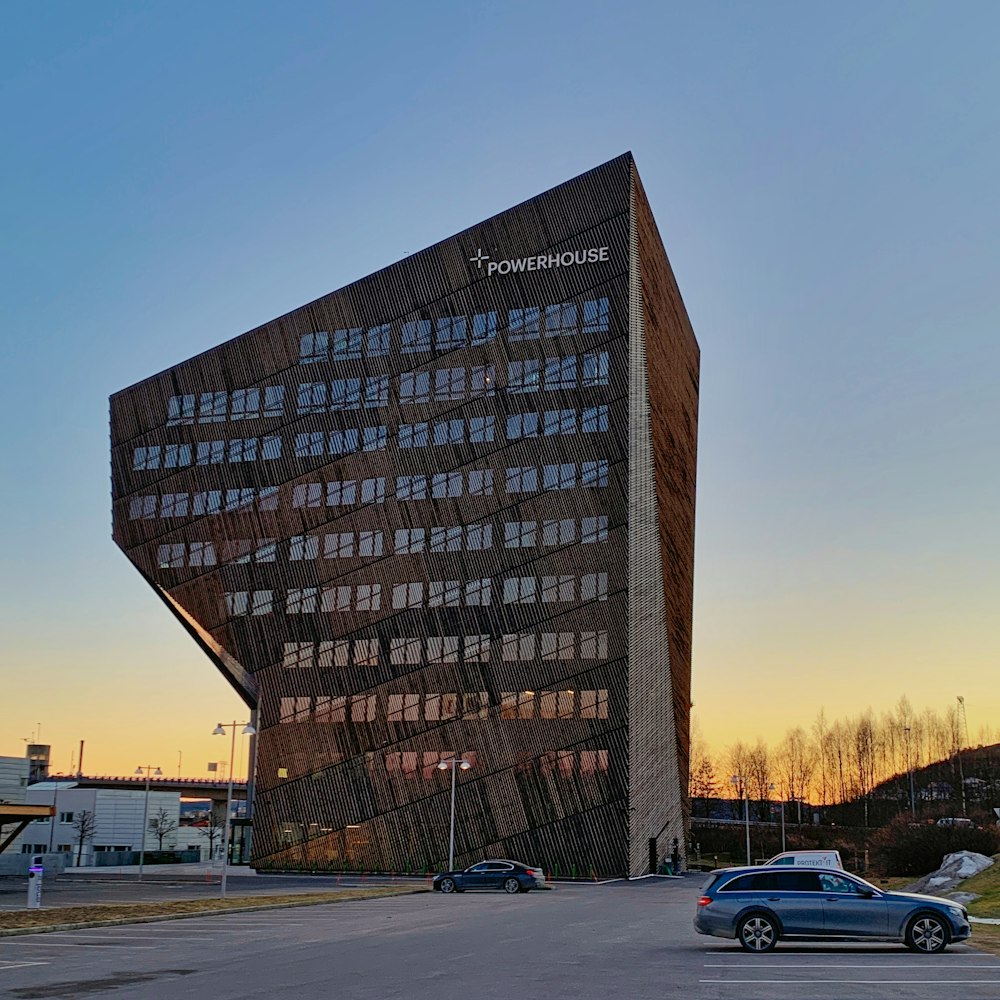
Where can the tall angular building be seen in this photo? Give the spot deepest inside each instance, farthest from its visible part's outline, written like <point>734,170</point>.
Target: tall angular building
<point>446,511</point>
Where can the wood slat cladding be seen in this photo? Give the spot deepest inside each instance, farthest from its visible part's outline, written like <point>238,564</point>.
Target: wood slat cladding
<point>673,359</point>
<point>397,519</point>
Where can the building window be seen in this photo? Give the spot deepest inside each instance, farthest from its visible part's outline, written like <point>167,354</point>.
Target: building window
<point>311,444</point>
<point>342,493</point>
<point>253,602</point>
<point>363,708</point>
<point>560,373</point>
<point>303,547</point>
<point>345,394</point>
<point>450,333</point>
<point>442,648</point>
<point>376,391</point>
<point>594,473</point>
<point>413,435</point>
<point>174,505</point>
<point>561,532</point>
<point>146,458</point>
<point>405,651</point>
<point>523,376</point>
<point>444,593</point>
<point>244,404</point>
<point>346,345</point>
<point>595,418</point>
<point>301,601</point>
<point>519,534</point>
<point>522,479</point>
<point>373,490</point>
<point>211,452</point>
<point>594,704</point>
<point>596,369</point>
<point>333,653</point>
<point>446,539</point>
<point>208,502</point>
<point>243,450</point>
<point>170,556</point>
<point>559,422</point>
<point>519,646</point>
<point>558,645</point>
<point>176,456</point>
<point>298,655</point>
<point>212,408</point>
<point>267,498</point>
<point>446,484</point>
<point>274,400</point>
<point>375,438</point>
<point>411,487</point>
<point>403,708</point>
<point>482,381</point>
<point>522,425</point>
<point>409,540</point>
<point>478,537</point>
<point>484,327</point>
<point>271,446</point>
<point>449,384</point>
<point>312,397</point>
<point>313,347</point>
<point>595,316</point>
<point>337,599</point>
<point>478,592</point>
<point>558,589</point>
<point>560,319</point>
<point>180,410</point>
<point>307,495</point>
<point>523,324</point>
<point>338,545</point>
<point>416,336</point>
<point>202,554</point>
<point>481,429</point>
<point>343,442</point>
<point>366,652</point>
<point>449,432</point>
<point>415,387</point>
<point>520,590</point>
<point>369,543</point>
<point>239,499</point>
<point>142,507</point>
<point>369,597</point>
<point>559,477</point>
<point>594,586</point>
<point>408,595</point>
<point>377,341</point>
<point>477,649</point>
<point>594,529</point>
<point>480,482</point>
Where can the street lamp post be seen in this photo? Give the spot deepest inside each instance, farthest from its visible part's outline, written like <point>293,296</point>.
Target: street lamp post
<point>454,763</point>
<point>147,769</point>
<point>220,730</point>
<point>741,785</point>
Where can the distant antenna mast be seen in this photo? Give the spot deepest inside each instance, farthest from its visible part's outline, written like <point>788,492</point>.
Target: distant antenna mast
<point>963,728</point>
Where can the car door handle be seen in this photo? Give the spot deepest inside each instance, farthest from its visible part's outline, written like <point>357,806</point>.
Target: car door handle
<point>774,899</point>
<point>832,899</point>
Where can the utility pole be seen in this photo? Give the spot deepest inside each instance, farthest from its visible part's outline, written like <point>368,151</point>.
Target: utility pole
<point>909,771</point>
<point>962,724</point>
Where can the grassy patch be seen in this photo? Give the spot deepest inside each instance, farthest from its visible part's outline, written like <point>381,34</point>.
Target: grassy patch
<point>893,881</point>
<point>987,885</point>
<point>986,937</point>
<point>108,913</point>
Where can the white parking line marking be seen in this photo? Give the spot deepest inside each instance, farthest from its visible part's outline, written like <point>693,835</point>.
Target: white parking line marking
<point>118,937</point>
<point>20,965</point>
<point>838,965</point>
<point>79,944</point>
<point>853,982</point>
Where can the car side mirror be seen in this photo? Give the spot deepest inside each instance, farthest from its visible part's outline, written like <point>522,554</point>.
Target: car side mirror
<point>866,893</point>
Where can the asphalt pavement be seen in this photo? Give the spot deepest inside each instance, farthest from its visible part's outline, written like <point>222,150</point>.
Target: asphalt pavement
<point>578,942</point>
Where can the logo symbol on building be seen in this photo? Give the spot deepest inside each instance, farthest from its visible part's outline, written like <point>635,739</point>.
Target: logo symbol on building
<point>479,258</point>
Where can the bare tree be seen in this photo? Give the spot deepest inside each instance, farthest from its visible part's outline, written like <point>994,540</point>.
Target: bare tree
<point>162,824</point>
<point>795,765</point>
<point>214,830</point>
<point>84,825</point>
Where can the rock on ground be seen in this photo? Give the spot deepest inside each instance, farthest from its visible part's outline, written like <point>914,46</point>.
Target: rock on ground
<point>954,868</point>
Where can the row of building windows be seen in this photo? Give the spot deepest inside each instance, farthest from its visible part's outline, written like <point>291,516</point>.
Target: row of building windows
<point>545,589</point>
<point>405,541</point>
<point>215,407</point>
<point>311,444</point>
<point>414,764</point>
<point>207,502</point>
<point>516,647</point>
<point>448,333</point>
<point>435,707</point>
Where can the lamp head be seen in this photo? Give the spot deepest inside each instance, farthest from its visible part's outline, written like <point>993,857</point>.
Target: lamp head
<point>219,730</point>
<point>442,765</point>
<point>138,770</point>
<point>157,771</point>
<point>248,730</point>
<point>465,765</point>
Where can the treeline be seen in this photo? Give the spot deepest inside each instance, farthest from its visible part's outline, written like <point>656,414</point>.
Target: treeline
<point>837,761</point>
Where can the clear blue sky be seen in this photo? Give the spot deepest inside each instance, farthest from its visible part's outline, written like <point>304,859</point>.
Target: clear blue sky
<point>826,182</point>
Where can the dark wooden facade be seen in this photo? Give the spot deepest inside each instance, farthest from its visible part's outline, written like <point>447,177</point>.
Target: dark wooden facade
<point>398,520</point>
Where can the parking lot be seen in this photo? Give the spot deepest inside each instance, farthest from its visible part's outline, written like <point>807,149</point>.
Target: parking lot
<point>582,942</point>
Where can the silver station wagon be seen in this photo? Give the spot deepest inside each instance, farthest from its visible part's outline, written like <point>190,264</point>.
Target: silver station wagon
<point>760,906</point>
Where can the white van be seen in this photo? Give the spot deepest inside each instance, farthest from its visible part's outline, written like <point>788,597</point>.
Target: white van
<point>809,859</point>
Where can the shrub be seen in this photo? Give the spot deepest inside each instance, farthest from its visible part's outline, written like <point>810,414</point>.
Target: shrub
<point>906,848</point>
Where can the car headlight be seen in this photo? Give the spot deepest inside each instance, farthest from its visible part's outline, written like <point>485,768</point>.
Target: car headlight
<point>957,911</point>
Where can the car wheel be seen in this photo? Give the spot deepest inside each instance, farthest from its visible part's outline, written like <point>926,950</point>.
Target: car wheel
<point>757,932</point>
<point>448,885</point>
<point>511,885</point>
<point>927,935</point>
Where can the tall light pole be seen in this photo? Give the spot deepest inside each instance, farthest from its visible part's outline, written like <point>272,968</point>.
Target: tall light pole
<point>148,769</point>
<point>454,763</point>
<point>220,730</point>
<point>909,771</point>
<point>961,772</point>
<point>744,791</point>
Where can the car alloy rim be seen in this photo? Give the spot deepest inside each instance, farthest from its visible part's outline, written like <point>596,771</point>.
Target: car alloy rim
<point>512,885</point>
<point>928,934</point>
<point>447,885</point>
<point>758,933</point>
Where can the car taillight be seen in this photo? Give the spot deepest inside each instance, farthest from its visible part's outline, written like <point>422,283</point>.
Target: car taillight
<point>704,900</point>
<point>531,872</point>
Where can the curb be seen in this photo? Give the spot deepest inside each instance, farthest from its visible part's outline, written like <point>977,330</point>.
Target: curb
<point>122,921</point>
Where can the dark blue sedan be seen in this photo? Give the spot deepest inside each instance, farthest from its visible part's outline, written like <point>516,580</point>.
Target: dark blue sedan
<point>759,906</point>
<point>510,876</point>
